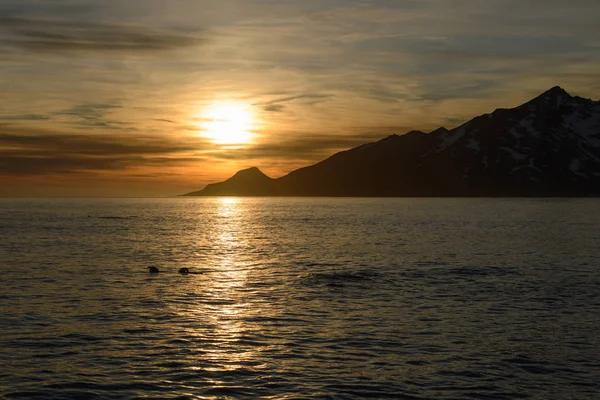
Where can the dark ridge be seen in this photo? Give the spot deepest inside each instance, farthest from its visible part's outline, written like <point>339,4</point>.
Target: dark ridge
<point>555,91</point>
<point>250,172</point>
<point>549,146</point>
<point>439,131</point>
<point>247,182</point>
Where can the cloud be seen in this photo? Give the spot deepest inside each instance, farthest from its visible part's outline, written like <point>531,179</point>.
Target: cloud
<point>51,35</point>
<point>94,116</point>
<point>305,146</point>
<point>389,51</point>
<point>278,105</point>
<point>24,117</point>
<point>457,90</point>
<point>298,97</point>
<point>30,152</point>
<point>275,108</point>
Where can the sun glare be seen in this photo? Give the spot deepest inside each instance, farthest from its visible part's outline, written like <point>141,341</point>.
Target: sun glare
<point>228,123</point>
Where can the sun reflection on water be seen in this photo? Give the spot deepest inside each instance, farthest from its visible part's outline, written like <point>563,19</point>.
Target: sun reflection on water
<point>226,307</point>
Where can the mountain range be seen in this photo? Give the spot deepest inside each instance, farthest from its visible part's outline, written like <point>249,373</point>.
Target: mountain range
<point>547,147</point>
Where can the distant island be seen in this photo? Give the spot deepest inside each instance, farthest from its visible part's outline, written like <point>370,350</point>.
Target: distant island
<point>547,147</point>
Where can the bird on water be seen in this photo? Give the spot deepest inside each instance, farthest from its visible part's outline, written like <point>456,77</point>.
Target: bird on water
<point>153,270</point>
<point>184,271</point>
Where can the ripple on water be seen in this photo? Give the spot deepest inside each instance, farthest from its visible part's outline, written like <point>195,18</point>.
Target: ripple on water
<point>299,299</point>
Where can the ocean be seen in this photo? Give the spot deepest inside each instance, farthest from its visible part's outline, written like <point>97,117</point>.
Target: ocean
<point>300,298</point>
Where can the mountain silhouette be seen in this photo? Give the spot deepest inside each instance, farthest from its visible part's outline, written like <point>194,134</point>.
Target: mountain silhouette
<point>549,146</point>
<point>247,182</point>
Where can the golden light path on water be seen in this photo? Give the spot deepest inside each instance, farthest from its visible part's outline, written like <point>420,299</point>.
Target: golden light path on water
<point>228,278</point>
<point>226,307</point>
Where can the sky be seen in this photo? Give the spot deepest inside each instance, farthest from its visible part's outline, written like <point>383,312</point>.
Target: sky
<point>103,98</point>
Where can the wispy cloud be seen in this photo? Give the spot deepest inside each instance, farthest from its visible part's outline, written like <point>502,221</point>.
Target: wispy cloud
<point>308,146</point>
<point>24,117</point>
<point>274,108</point>
<point>279,104</point>
<point>30,151</point>
<point>49,35</point>
<point>94,116</point>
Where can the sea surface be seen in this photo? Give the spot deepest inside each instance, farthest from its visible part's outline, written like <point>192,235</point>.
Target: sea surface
<point>300,298</point>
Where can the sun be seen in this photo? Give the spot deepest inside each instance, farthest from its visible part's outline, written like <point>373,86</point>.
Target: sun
<point>228,123</point>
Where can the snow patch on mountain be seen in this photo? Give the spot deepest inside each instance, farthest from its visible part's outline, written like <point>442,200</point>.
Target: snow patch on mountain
<point>583,124</point>
<point>531,167</point>
<point>514,154</point>
<point>474,145</point>
<point>452,137</point>
<point>575,167</point>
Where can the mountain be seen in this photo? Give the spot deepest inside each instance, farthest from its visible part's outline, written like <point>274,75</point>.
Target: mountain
<point>247,182</point>
<point>549,146</point>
